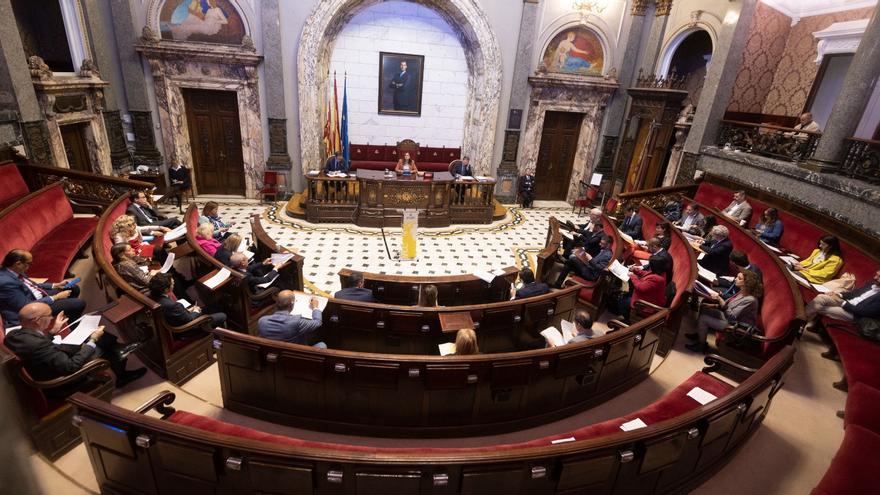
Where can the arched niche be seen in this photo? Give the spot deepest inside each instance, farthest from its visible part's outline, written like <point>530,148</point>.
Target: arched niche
<point>484,65</point>
<point>594,24</point>
<point>700,21</point>
<point>213,29</point>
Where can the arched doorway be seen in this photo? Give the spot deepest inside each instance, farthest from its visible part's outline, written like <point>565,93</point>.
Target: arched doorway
<point>690,59</point>
<point>484,66</point>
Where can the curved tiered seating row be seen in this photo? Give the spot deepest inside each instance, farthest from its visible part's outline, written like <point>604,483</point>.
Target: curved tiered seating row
<point>139,318</point>
<point>452,290</point>
<point>781,313</point>
<point>683,444</point>
<point>547,257</point>
<point>593,292</point>
<point>14,186</point>
<point>44,224</point>
<point>501,327</point>
<point>242,306</point>
<point>399,395</point>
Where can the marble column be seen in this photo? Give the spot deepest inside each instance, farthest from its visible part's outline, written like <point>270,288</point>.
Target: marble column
<point>17,93</point>
<point>97,22</point>
<point>617,108</point>
<point>655,37</point>
<point>847,111</point>
<point>279,159</point>
<point>134,80</point>
<point>508,171</point>
<point>720,77</point>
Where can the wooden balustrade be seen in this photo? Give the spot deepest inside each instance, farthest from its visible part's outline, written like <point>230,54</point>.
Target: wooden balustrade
<point>862,160</point>
<point>784,143</point>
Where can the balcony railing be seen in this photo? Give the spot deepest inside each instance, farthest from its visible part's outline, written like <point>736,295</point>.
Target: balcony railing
<point>862,160</point>
<point>784,143</point>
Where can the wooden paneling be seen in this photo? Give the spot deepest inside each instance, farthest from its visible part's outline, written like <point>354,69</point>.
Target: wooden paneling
<point>215,137</point>
<point>556,155</point>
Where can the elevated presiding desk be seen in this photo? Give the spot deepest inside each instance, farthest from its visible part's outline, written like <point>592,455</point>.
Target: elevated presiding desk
<point>372,198</point>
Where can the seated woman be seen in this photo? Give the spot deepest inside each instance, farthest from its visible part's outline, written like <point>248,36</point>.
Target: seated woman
<point>769,229</point>
<point>210,215</point>
<point>430,300</point>
<point>406,165</point>
<point>125,230</point>
<point>127,267</point>
<point>823,263</point>
<point>647,285</point>
<point>466,342</point>
<point>227,248</point>
<point>741,308</point>
<point>205,238</point>
<point>663,232</point>
<point>176,315</point>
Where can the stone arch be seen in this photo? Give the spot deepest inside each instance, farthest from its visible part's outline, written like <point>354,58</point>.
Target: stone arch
<point>477,38</point>
<point>595,24</point>
<point>676,40</point>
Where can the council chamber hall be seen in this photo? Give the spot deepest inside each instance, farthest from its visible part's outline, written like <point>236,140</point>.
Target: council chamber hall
<point>439,247</point>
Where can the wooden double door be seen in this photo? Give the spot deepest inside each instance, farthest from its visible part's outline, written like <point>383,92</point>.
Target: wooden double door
<point>76,146</point>
<point>559,140</point>
<point>215,138</point>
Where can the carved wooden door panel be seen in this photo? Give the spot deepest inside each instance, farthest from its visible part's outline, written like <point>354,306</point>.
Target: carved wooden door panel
<point>556,156</point>
<point>215,137</point>
<point>73,136</point>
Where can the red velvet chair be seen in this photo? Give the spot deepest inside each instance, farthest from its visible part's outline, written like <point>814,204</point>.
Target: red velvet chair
<point>586,197</point>
<point>270,186</point>
<point>14,187</point>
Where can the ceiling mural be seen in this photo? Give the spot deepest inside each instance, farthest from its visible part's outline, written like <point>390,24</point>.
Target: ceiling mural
<point>575,50</point>
<point>211,21</point>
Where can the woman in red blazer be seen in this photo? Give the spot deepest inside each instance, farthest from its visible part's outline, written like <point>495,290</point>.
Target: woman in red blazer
<point>647,285</point>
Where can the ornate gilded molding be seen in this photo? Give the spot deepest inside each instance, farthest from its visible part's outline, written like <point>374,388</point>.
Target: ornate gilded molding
<point>36,137</point>
<point>639,7</point>
<point>663,7</point>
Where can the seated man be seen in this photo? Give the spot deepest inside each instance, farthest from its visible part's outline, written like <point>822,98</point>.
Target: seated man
<point>584,325</point>
<point>863,302</point>
<point>739,209</point>
<point>587,238</point>
<point>530,287</point>
<point>336,163</point>
<point>661,255</point>
<point>255,273</point>
<point>717,249</point>
<point>17,290</point>
<point>176,315</point>
<point>741,261</point>
<point>463,168</point>
<point>586,266</point>
<point>286,327</point>
<point>355,290</point>
<point>632,222</point>
<point>44,360</point>
<point>145,215</point>
<point>692,221</point>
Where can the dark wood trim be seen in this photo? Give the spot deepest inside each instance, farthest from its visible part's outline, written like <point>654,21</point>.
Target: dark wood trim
<point>761,118</point>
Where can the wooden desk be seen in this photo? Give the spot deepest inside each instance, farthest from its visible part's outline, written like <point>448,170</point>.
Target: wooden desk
<point>371,200</point>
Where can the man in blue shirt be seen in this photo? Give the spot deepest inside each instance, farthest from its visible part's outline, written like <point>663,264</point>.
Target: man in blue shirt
<point>286,327</point>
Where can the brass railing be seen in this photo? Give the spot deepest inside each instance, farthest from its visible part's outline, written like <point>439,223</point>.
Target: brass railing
<point>862,160</point>
<point>784,143</point>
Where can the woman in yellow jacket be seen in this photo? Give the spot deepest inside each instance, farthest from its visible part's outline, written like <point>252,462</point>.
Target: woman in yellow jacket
<point>823,263</point>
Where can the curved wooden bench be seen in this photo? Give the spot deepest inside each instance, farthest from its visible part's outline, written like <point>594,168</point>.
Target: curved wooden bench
<point>453,290</point>
<point>398,395</point>
<point>683,444</point>
<point>593,292</point>
<point>43,223</point>
<point>546,257</point>
<point>501,327</point>
<point>266,247</point>
<point>139,318</point>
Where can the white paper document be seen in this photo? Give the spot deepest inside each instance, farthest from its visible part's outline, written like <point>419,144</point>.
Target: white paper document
<point>771,248</point>
<point>727,277</point>
<point>701,396</point>
<point>217,279</point>
<point>447,348</point>
<point>704,289</point>
<point>248,255</point>
<point>485,276</point>
<point>183,302</point>
<point>467,177</point>
<point>243,245</point>
<point>281,258</point>
<point>301,305</point>
<point>157,197</point>
<point>568,235</point>
<point>499,272</point>
<point>145,269</point>
<point>596,180</point>
<point>706,275</point>
<point>633,425</point>
<point>562,440</point>
<point>168,262</point>
<point>553,336</point>
<point>267,284</point>
<point>618,270</point>
<point>821,288</point>
<point>9,329</point>
<point>87,325</point>
<point>701,256</point>
<point>569,330</point>
<point>788,260</point>
<point>175,233</point>
<point>799,279</point>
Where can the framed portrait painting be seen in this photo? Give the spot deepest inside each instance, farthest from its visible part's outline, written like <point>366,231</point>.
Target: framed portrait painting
<point>400,83</point>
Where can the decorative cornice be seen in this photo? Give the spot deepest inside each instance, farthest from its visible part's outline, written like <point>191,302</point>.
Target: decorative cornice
<point>201,52</point>
<point>554,80</point>
<point>639,7</point>
<point>663,7</point>
<point>840,37</point>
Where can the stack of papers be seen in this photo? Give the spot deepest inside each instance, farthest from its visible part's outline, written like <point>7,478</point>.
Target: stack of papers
<point>771,248</point>
<point>821,288</point>
<point>558,338</point>
<point>314,172</point>
<point>447,348</point>
<point>466,177</point>
<point>704,290</point>
<point>219,278</point>
<point>706,275</point>
<point>800,279</point>
<point>87,325</point>
<point>183,302</point>
<point>701,396</point>
<point>281,258</point>
<point>618,270</point>
<point>301,305</point>
<point>633,425</point>
<point>168,262</point>
<point>175,233</point>
<point>488,277</point>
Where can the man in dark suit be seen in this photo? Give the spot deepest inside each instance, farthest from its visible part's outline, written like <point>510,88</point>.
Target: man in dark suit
<point>254,273</point>
<point>632,223</point>
<point>463,168</point>
<point>178,175</point>
<point>664,259</point>
<point>356,290</point>
<point>17,290</point>
<point>741,261</point>
<point>586,266</point>
<point>717,251</point>
<point>176,315</point>
<point>44,360</point>
<point>145,215</point>
<point>403,85</point>
<point>530,287</point>
<point>587,238</point>
<point>336,163</point>
<point>286,327</point>
<point>863,302</point>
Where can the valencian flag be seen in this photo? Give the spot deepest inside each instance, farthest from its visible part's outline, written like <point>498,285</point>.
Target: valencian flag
<point>331,128</point>
<point>343,126</point>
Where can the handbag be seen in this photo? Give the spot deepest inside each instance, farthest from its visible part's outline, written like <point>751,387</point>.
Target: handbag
<point>743,340</point>
<point>869,328</point>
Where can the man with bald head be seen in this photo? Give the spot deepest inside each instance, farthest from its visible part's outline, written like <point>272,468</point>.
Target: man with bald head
<point>255,273</point>
<point>286,327</point>
<point>45,360</point>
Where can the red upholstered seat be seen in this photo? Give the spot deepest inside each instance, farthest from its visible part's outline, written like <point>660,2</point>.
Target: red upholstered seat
<point>855,466</point>
<point>714,196</point>
<point>14,187</point>
<point>381,157</point>
<point>54,253</point>
<point>863,407</point>
<point>673,404</point>
<point>860,357</point>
